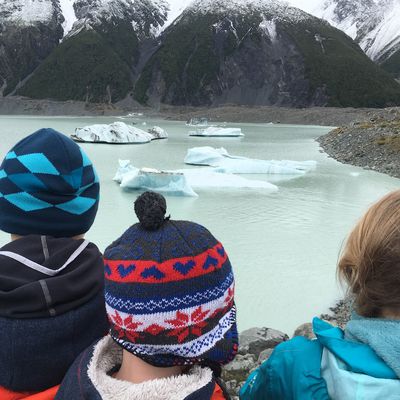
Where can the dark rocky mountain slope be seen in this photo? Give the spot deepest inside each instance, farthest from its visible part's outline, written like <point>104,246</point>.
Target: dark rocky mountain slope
<point>260,52</point>
<point>97,60</point>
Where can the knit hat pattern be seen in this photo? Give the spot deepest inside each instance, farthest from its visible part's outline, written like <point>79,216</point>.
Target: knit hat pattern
<point>48,186</point>
<point>170,295</point>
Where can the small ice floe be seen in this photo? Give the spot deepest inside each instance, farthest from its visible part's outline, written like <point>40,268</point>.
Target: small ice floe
<point>157,133</point>
<point>115,133</point>
<point>217,131</point>
<point>183,182</point>
<point>168,182</point>
<point>222,161</point>
<point>355,174</point>
<point>198,122</point>
<point>209,178</point>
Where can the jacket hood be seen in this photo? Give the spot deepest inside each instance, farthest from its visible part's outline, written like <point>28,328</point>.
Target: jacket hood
<point>89,378</point>
<point>358,357</point>
<point>50,291</point>
<point>381,334</point>
<point>42,276</point>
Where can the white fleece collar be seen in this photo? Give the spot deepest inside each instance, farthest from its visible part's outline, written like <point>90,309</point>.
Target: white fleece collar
<point>107,354</point>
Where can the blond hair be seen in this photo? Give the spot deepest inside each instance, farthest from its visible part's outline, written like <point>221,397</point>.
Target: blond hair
<point>370,261</point>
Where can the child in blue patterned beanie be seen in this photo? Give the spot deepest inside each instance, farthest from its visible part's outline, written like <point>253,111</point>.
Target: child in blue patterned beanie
<point>51,279</point>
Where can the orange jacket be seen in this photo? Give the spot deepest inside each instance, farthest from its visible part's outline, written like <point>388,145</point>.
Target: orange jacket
<point>48,394</point>
<point>218,394</point>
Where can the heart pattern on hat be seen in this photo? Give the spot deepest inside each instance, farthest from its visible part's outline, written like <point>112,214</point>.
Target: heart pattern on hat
<point>184,268</point>
<point>125,271</point>
<point>152,272</point>
<point>210,262</point>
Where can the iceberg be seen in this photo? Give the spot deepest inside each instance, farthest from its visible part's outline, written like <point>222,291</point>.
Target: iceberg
<point>168,182</point>
<point>115,133</point>
<point>157,133</point>
<point>222,161</point>
<point>182,182</point>
<point>217,131</point>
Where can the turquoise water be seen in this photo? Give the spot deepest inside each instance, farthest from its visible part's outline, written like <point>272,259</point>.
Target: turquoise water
<point>283,246</point>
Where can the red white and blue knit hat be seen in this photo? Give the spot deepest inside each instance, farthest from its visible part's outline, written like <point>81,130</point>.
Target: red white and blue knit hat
<point>170,290</point>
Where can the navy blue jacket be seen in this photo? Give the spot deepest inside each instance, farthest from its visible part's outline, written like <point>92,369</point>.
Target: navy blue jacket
<point>47,321</point>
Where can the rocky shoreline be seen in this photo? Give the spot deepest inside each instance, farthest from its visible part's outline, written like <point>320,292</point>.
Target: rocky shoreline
<point>324,116</point>
<point>257,344</point>
<point>371,143</point>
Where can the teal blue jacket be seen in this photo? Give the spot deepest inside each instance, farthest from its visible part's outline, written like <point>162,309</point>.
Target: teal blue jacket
<point>302,369</point>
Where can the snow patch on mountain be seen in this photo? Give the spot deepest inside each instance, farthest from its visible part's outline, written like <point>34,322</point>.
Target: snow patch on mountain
<point>176,8</point>
<point>384,39</point>
<point>374,24</point>
<point>280,8</point>
<point>146,16</point>
<point>269,28</point>
<point>26,12</point>
<point>68,12</point>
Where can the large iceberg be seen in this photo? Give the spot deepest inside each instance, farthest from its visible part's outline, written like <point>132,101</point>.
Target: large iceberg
<point>216,131</point>
<point>115,133</point>
<point>222,161</point>
<point>182,182</point>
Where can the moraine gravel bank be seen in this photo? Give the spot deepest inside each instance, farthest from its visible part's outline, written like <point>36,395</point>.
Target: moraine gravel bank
<point>372,143</point>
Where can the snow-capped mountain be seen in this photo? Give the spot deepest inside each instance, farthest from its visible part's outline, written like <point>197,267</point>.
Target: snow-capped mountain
<point>29,32</point>
<point>146,16</point>
<point>259,52</point>
<point>28,12</point>
<point>374,24</point>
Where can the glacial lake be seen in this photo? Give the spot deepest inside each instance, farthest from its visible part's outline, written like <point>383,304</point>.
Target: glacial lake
<point>283,246</point>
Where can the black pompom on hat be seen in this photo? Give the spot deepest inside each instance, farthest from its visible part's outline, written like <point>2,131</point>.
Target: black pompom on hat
<point>150,208</point>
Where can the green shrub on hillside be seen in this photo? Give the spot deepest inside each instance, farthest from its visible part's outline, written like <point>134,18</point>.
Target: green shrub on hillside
<point>82,68</point>
<point>392,65</point>
<point>351,79</point>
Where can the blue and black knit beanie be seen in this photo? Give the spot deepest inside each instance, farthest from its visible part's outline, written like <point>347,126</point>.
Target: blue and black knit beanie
<point>48,186</point>
<point>169,290</point>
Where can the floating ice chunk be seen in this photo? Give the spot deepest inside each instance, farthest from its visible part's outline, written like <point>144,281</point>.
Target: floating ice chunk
<point>355,174</point>
<point>198,122</point>
<point>182,182</point>
<point>217,131</point>
<point>158,133</point>
<point>209,178</point>
<point>125,167</point>
<point>222,161</point>
<point>168,182</point>
<point>115,133</point>
<point>206,155</point>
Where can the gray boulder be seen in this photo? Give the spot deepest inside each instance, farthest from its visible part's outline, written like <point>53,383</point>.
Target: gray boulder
<point>239,369</point>
<point>305,330</point>
<point>255,340</point>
